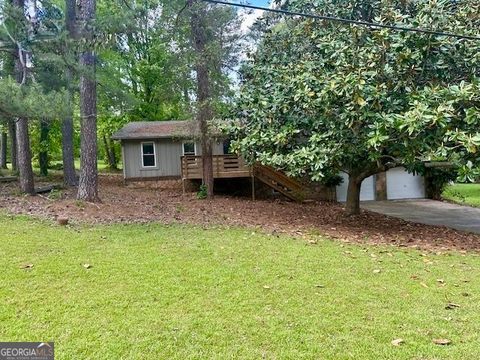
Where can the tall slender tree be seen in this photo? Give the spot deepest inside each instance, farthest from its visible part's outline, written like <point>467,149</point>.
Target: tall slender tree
<point>69,175</point>
<point>204,110</point>
<point>9,69</point>
<point>88,183</point>
<point>23,139</point>
<point>3,149</point>
<point>13,144</point>
<point>44,140</point>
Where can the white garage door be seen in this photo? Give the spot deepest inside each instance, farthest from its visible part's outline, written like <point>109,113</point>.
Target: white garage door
<point>402,185</point>
<point>366,193</point>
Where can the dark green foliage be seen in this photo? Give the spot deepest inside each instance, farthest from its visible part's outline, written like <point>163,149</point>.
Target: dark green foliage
<point>437,180</point>
<point>332,180</point>
<point>321,97</point>
<point>202,193</point>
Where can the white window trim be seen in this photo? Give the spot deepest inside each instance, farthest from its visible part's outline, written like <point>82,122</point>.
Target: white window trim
<point>194,147</point>
<point>154,154</point>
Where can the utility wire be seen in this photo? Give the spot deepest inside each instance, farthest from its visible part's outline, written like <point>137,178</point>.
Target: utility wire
<point>347,21</point>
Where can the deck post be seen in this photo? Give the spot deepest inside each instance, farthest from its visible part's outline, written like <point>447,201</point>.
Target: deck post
<point>253,187</point>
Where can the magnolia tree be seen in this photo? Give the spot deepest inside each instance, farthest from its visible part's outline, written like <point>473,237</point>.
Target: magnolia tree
<point>319,97</point>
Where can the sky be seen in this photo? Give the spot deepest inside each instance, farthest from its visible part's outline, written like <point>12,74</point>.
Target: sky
<point>259,2</point>
<point>253,15</point>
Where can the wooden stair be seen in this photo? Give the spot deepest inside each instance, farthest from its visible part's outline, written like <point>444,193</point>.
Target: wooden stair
<point>280,182</point>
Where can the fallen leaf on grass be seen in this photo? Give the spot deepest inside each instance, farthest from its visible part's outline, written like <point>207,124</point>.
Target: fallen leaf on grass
<point>26,266</point>
<point>397,342</point>
<point>451,306</point>
<point>87,266</point>
<point>442,341</point>
<point>377,271</point>
<point>441,281</point>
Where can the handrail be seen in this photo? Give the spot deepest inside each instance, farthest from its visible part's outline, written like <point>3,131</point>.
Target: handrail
<point>279,176</point>
<point>224,166</point>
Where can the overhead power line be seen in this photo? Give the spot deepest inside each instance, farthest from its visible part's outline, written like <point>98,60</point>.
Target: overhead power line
<point>347,21</point>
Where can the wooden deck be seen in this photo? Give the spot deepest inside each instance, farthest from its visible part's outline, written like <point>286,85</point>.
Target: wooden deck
<point>232,166</point>
<point>224,167</point>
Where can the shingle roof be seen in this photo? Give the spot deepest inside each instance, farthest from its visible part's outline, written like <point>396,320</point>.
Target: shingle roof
<point>156,130</point>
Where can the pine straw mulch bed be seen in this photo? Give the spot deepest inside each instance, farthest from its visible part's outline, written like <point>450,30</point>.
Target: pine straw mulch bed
<point>166,204</point>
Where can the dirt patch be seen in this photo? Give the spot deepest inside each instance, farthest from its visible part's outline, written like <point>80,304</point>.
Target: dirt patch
<point>165,203</point>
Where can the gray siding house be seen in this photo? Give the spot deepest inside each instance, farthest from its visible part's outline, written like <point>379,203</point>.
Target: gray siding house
<point>154,150</point>
<point>168,150</point>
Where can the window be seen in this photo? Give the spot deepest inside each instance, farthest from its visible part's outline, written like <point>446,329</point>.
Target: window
<point>189,149</point>
<point>148,155</point>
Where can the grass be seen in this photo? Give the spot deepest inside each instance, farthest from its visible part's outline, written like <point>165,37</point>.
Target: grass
<point>467,194</point>
<point>102,168</point>
<point>102,165</point>
<point>178,292</point>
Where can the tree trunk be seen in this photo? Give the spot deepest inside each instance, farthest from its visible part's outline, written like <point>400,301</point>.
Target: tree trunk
<point>114,156</point>
<point>109,154</point>
<point>70,17</point>
<point>68,157</point>
<point>352,206</point>
<point>13,145</point>
<point>88,183</point>
<point>207,159</point>
<point>27,184</point>
<point>3,150</point>
<point>107,150</point>
<point>43,155</point>
<point>9,69</point>
<point>23,138</point>
<point>204,111</point>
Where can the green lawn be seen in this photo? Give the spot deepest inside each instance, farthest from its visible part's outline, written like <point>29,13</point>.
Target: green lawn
<point>178,292</point>
<point>468,194</point>
<point>102,167</point>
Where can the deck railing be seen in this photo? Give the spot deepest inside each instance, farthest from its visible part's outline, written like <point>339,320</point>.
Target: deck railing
<point>224,166</point>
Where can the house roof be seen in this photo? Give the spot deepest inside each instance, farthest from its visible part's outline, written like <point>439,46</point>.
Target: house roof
<point>156,130</point>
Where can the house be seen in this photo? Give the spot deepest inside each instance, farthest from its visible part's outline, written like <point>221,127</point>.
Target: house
<point>171,150</point>
<point>159,150</point>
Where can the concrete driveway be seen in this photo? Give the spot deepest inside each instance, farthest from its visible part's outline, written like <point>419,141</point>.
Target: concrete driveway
<point>430,212</point>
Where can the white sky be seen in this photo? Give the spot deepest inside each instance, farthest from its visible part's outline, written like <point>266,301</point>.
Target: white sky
<point>250,18</point>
